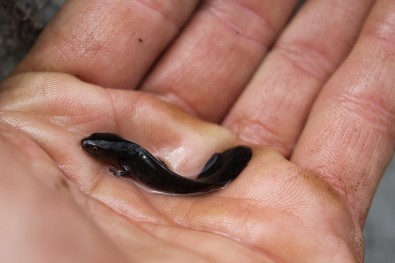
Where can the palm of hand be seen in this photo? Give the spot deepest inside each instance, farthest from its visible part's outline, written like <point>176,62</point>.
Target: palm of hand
<point>272,206</point>
<point>330,109</point>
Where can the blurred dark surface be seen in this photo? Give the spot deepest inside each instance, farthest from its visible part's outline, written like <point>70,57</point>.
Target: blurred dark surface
<point>20,23</point>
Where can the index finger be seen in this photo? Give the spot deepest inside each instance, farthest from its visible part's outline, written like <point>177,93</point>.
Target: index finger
<point>107,43</point>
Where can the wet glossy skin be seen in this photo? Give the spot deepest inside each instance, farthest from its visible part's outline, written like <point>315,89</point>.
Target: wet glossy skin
<point>133,161</point>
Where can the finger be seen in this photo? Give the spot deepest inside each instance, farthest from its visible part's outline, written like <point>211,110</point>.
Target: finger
<point>109,43</point>
<point>273,109</point>
<point>208,66</point>
<point>350,136</point>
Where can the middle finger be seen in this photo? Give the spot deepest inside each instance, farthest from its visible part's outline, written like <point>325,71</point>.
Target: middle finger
<point>210,63</point>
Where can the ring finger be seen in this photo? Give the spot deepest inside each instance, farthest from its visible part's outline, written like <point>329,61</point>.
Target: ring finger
<point>275,105</point>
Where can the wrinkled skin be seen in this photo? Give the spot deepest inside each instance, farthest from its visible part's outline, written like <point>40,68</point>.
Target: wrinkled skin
<point>318,109</point>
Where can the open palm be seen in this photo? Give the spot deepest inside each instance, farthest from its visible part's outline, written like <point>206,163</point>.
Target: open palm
<point>310,208</point>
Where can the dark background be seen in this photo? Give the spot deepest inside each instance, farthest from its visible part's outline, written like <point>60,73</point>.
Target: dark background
<point>21,21</point>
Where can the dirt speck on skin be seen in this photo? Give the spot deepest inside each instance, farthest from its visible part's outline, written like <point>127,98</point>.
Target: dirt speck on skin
<point>61,184</point>
<point>359,245</point>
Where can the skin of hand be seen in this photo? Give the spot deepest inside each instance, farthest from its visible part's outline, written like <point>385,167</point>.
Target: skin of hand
<point>321,120</point>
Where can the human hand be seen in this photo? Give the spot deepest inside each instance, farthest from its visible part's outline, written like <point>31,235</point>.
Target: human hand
<point>313,207</point>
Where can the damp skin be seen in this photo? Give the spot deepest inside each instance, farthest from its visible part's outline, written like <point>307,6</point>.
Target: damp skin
<point>132,161</point>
